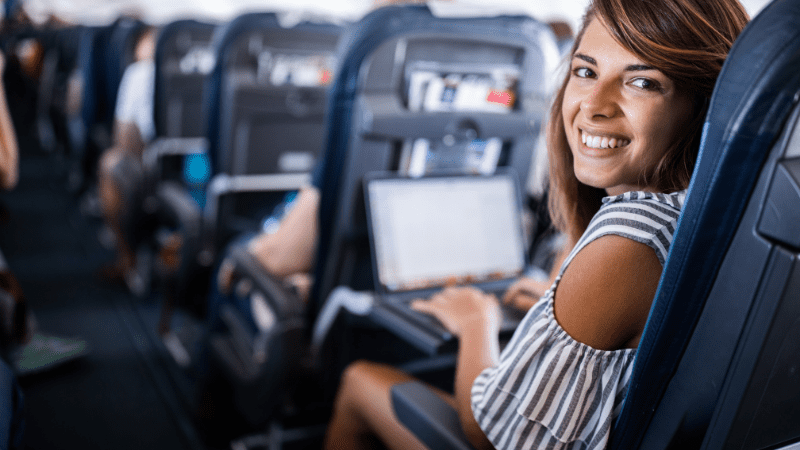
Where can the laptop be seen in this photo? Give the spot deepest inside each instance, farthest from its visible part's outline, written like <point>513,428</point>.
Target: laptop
<point>442,230</point>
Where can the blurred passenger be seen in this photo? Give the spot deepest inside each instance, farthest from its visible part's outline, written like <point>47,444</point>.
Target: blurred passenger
<point>120,168</point>
<point>623,136</point>
<point>27,349</point>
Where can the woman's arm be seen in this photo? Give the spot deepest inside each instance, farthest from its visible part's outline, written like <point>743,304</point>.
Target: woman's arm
<point>605,294</point>
<point>288,251</point>
<point>9,152</point>
<point>474,317</point>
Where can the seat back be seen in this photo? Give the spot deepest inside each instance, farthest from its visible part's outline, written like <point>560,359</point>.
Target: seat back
<point>273,99</point>
<point>268,97</point>
<point>120,51</point>
<point>721,341</point>
<point>225,52</point>
<point>376,121</point>
<point>183,60</point>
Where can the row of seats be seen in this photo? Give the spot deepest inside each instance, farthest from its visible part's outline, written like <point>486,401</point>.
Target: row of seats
<point>266,136</point>
<point>243,111</point>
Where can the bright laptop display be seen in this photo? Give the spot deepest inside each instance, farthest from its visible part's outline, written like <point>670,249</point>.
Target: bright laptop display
<point>430,232</point>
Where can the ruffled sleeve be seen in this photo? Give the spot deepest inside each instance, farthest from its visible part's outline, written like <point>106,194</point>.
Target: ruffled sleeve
<point>551,391</point>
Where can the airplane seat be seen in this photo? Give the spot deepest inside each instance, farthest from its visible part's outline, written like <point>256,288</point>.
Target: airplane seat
<point>182,61</point>
<point>181,196</point>
<point>119,53</point>
<point>716,367</point>
<point>398,123</point>
<point>265,105</point>
<point>374,125</point>
<point>81,107</point>
<point>50,99</point>
<point>103,52</point>
<point>384,122</point>
<point>60,60</point>
<point>12,420</point>
<point>270,129</point>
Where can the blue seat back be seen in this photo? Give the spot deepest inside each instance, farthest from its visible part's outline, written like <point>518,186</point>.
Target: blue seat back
<point>733,258</point>
<point>223,40</point>
<point>119,52</point>
<point>273,99</point>
<point>266,111</point>
<point>371,120</point>
<point>182,63</point>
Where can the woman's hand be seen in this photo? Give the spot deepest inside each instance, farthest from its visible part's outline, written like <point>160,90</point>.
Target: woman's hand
<point>463,309</point>
<point>525,292</point>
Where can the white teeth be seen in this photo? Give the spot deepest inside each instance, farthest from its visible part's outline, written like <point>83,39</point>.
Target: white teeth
<point>602,141</point>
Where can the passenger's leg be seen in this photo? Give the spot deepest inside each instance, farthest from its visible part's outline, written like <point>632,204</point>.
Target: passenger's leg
<point>112,204</point>
<point>364,410</point>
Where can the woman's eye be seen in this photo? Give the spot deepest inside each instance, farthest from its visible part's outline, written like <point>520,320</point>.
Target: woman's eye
<point>646,84</point>
<point>583,72</point>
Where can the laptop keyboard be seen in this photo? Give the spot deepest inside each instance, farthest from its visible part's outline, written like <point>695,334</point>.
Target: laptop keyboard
<point>511,318</point>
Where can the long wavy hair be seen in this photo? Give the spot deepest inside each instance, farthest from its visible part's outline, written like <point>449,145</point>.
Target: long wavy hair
<point>688,41</point>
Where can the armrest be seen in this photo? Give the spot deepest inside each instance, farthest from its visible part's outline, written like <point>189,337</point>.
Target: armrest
<point>155,153</point>
<point>176,203</point>
<point>284,303</point>
<point>432,420</point>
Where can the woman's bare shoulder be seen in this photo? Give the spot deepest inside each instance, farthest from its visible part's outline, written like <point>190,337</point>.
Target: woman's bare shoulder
<point>605,293</point>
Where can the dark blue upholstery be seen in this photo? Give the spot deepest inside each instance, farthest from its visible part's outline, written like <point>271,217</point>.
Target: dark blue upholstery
<point>168,47</point>
<point>119,53</point>
<point>221,41</point>
<point>752,101</point>
<point>11,412</point>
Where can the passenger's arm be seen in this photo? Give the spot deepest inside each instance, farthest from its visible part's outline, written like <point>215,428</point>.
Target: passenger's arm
<point>604,296</point>
<point>126,136</point>
<point>290,250</point>
<point>9,151</point>
<point>474,317</point>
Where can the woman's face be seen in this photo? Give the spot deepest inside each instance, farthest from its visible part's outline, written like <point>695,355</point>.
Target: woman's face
<point>620,115</point>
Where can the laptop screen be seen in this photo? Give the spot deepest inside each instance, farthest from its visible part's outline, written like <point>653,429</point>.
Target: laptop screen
<point>430,232</point>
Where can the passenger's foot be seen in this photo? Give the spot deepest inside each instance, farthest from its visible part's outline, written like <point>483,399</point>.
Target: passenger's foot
<point>45,352</point>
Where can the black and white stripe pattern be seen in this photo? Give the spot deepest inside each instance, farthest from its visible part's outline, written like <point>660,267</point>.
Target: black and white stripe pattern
<point>550,391</point>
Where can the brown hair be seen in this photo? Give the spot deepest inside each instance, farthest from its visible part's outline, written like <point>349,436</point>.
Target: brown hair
<point>688,41</point>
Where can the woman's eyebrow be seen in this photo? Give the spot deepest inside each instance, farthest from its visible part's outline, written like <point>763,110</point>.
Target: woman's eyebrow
<point>630,68</point>
<point>586,58</point>
<point>639,68</point>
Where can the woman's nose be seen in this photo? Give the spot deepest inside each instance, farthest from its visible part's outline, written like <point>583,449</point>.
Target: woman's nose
<point>600,101</point>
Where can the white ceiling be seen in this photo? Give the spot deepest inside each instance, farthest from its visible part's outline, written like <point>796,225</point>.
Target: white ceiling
<point>162,11</point>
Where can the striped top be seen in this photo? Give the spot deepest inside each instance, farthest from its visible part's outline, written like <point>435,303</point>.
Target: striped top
<point>550,391</point>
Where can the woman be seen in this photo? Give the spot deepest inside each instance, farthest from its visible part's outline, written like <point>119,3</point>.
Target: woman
<point>623,137</point>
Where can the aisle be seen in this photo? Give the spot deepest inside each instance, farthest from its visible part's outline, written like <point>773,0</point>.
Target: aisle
<point>119,396</point>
